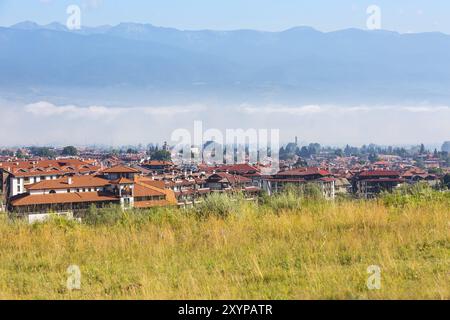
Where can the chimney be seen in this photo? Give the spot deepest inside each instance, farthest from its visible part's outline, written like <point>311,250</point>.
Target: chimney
<point>69,180</point>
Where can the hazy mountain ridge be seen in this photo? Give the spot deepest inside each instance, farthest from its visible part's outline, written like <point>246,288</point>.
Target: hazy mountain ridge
<point>300,60</point>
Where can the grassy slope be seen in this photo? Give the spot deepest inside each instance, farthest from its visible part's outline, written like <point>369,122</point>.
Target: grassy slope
<point>321,250</point>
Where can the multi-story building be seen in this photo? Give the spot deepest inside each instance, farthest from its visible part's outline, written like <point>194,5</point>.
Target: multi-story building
<point>119,185</point>
<point>368,184</point>
<point>299,177</point>
<point>227,182</point>
<point>16,176</point>
<point>158,166</point>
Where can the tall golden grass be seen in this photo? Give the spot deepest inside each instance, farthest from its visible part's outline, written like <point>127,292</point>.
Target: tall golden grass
<point>316,250</point>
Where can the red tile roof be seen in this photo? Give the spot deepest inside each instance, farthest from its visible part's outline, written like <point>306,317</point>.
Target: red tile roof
<point>141,190</point>
<point>63,183</point>
<point>120,169</point>
<point>304,172</point>
<point>231,178</point>
<point>64,198</point>
<point>291,180</point>
<point>157,163</point>
<point>241,168</point>
<point>384,180</point>
<point>148,181</point>
<point>144,188</point>
<point>122,181</point>
<point>381,173</point>
<point>48,167</point>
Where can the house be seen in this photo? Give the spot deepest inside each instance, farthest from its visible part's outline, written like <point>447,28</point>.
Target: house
<point>188,189</point>
<point>16,176</point>
<point>158,166</point>
<point>120,171</point>
<point>149,193</point>
<point>342,186</point>
<point>245,170</point>
<point>415,175</point>
<point>299,177</point>
<point>227,182</point>
<point>241,169</point>
<point>119,185</point>
<point>368,184</point>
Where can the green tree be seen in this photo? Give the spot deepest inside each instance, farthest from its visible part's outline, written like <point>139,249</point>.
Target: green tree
<point>422,149</point>
<point>447,180</point>
<point>132,151</point>
<point>19,154</point>
<point>420,163</point>
<point>339,152</point>
<point>161,155</point>
<point>373,157</point>
<point>70,151</point>
<point>314,148</point>
<point>43,152</point>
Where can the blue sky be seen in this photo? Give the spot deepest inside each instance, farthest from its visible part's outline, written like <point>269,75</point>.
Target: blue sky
<point>325,15</point>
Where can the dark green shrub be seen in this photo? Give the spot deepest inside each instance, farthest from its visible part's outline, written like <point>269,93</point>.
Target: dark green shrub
<point>220,205</point>
<point>103,216</point>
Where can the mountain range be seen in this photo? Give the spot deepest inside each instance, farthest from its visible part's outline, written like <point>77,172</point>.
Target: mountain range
<point>299,64</point>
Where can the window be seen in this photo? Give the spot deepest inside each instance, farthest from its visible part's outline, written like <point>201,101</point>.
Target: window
<point>52,192</point>
<point>68,190</point>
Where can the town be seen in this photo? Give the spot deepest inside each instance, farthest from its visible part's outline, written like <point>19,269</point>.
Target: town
<point>43,180</point>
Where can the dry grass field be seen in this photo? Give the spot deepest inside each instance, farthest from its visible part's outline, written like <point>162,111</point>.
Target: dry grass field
<point>283,248</point>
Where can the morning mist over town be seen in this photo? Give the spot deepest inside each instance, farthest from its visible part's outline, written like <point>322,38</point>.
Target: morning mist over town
<point>140,74</point>
<point>211,159</point>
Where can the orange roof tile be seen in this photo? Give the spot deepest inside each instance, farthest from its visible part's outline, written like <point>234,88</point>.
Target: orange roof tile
<point>141,190</point>
<point>304,172</point>
<point>231,178</point>
<point>158,163</point>
<point>27,200</point>
<point>141,185</point>
<point>63,183</point>
<point>148,181</point>
<point>120,169</point>
<point>122,181</point>
<point>33,168</point>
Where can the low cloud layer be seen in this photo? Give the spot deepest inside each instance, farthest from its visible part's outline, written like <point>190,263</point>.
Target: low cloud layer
<point>44,123</point>
<point>315,109</point>
<point>46,109</point>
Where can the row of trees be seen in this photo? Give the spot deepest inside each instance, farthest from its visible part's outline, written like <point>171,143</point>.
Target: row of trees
<point>46,152</point>
<point>370,151</point>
